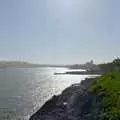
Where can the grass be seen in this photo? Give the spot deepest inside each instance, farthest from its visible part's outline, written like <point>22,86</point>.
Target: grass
<point>107,87</point>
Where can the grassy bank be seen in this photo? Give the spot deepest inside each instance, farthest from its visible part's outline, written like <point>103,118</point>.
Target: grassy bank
<point>107,87</point>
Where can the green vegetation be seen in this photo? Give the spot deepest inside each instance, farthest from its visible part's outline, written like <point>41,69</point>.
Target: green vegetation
<point>110,67</point>
<point>107,87</point>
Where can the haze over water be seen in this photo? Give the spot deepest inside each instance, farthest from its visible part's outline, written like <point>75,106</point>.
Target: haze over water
<point>51,32</point>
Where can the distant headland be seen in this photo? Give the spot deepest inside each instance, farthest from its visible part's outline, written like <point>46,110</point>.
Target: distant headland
<point>24,64</point>
<point>5,63</point>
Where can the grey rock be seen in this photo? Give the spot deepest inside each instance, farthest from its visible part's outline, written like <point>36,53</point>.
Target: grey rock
<point>74,103</point>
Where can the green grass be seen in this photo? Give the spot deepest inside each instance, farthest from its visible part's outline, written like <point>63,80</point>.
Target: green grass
<point>107,87</point>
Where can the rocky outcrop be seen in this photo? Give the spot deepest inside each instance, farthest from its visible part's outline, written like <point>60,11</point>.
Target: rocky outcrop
<point>75,103</point>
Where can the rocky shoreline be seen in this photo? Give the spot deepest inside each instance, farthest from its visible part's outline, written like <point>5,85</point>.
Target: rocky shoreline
<point>74,103</point>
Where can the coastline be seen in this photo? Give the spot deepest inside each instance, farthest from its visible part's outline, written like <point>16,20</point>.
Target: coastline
<point>80,73</point>
<point>74,103</point>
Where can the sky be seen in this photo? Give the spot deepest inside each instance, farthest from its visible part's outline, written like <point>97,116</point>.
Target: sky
<point>59,31</point>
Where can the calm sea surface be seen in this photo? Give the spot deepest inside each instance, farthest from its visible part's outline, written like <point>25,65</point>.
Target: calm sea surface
<point>24,90</point>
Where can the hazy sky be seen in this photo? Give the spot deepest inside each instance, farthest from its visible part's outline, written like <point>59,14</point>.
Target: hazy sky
<point>59,31</point>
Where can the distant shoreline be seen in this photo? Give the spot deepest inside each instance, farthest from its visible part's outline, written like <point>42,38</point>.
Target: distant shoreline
<point>23,64</point>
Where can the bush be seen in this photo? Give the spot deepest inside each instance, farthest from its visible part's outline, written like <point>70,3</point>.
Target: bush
<point>107,87</point>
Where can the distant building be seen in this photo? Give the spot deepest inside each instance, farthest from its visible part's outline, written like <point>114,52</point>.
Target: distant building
<point>90,63</point>
<point>90,66</point>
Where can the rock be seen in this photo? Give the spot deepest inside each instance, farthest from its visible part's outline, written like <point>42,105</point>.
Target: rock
<point>75,103</point>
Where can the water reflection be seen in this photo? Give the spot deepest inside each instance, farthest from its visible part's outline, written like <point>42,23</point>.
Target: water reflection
<point>25,90</point>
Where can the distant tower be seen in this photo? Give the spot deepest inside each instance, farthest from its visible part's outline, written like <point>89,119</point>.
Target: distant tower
<point>91,62</point>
